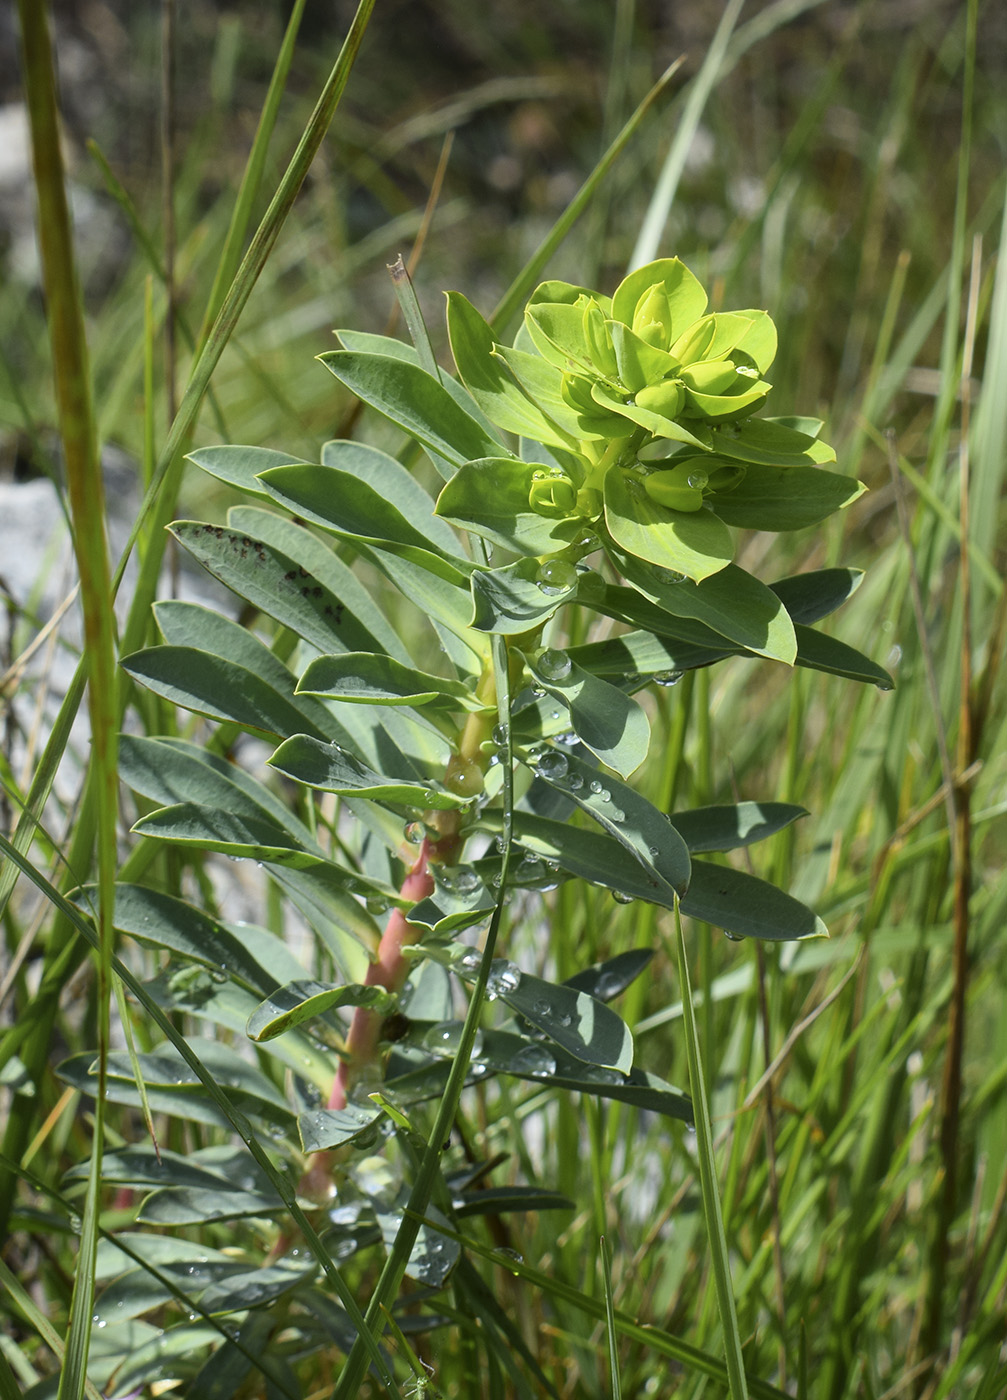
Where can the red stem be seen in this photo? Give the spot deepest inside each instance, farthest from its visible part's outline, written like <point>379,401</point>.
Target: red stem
<point>389,971</point>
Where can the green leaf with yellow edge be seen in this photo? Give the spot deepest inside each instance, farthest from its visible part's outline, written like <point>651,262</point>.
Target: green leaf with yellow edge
<point>696,544</point>
<point>487,378</point>
<point>761,440</point>
<point>297,1002</point>
<point>364,678</point>
<point>334,769</point>
<point>685,293</point>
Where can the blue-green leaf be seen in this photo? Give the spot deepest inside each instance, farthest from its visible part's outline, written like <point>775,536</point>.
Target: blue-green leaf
<point>355,511</point>
<point>810,597</point>
<point>362,678</point>
<point>416,402</point>
<point>784,498</point>
<point>324,1128</point>
<point>301,1001</point>
<point>631,819</point>
<point>240,466</point>
<point>333,769</point>
<point>746,906</point>
<point>728,828</point>
<point>761,440</point>
<point>575,1021</point>
<point>604,718</point>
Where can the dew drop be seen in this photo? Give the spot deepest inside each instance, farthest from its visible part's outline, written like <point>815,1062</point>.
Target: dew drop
<point>556,576</point>
<point>500,732</point>
<point>698,479</point>
<point>467,881</point>
<point>595,785</point>
<point>621,897</point>
<point>504,977</point>
<point>552,765</point>
<point>668,678</point>
<point>576,782</point>
<point>554,665</point>
<point>733,937</point>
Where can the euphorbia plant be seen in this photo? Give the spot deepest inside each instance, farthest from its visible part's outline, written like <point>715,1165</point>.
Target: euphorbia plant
<point>597,467</point>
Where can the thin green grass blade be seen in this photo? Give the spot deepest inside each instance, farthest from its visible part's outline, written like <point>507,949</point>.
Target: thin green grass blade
<point>708,1179</point>
<point>251,180</point>
<point>656,218</point>
<point>613,1339</point>
<point>85,488</point>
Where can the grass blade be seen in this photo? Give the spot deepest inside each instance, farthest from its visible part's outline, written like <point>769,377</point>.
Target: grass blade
<point>708,1179</point>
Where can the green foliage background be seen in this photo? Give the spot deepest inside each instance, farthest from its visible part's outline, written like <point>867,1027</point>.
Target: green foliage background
<point>845,170</point>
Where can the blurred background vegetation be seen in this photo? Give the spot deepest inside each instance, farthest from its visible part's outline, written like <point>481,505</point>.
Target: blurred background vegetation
<point>846,172</point>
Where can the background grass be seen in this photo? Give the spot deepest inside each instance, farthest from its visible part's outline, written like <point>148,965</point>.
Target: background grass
<point>846,171</point>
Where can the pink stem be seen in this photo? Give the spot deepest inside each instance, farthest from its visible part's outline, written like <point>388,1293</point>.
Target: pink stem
<point>390,971</point>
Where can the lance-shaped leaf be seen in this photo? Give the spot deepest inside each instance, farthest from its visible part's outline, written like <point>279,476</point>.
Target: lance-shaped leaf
<point>214,686</point>
<point>822,653</point>
<point>240,835</point>
<point>503,1052</point>
<point>399,350</point>
<point>746,906</point>
<point>492,499</point>
<point>631,819</point>
<point>240,466</point>
<point>396,484</point>
<point>416,402</point>
<point>733,602</point>
<point>785,498</point>
<point>520,596</point>
<point>363,678</point>
<point>193,1205</point>
<point>696,543</point>
<point>647,656</point>
<point>488,380</point>
<point>333,769</point>
<point>460,900</point>
<point>609,979</point>
<point>761,440</point>
<point>348,507</point>
<point>170,771</point>
<point>277,584</point>
<point>255,956</point>
<point>592,856</point>
<point>301,1001</point>
<point>810,597</point>
<point>582,1026</point>
<point>324,1128</point>
<point>257,1288</point>
<point>315,555</point>
<point>727,828</point>
<point>604,718</point>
